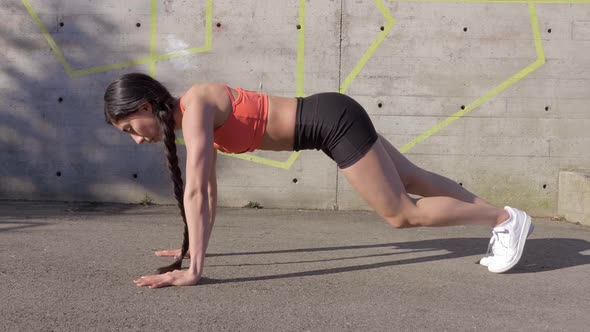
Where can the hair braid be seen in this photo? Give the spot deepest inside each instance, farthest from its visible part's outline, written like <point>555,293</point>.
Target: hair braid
<point>165,114</point>
<point>124,97</point>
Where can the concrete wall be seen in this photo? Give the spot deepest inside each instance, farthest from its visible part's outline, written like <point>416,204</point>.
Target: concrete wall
<point>493,95</point>
<point>574,196</point>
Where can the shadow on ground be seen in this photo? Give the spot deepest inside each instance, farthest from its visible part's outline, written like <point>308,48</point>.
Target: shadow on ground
<point>540,255</point>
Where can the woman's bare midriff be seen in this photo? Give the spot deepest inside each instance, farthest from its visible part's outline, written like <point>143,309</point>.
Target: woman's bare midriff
<point>280,126</point>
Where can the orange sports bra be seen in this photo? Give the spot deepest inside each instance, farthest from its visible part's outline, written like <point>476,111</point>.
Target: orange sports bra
<point>245,126</point>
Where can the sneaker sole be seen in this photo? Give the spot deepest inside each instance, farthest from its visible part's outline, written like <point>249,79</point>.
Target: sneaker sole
<point>519,250</point>
<point>484,261</point>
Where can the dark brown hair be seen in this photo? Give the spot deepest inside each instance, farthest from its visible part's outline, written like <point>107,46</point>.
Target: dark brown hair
<point>123,97</point>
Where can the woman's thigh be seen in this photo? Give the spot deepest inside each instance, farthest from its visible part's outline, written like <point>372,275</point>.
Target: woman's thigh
<point>409,173</point>
<point>376,179</point>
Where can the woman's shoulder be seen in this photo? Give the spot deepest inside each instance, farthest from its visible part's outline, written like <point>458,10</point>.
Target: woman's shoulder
<point>205,89</point>
<point>211,96</point>
<point>208,93</point>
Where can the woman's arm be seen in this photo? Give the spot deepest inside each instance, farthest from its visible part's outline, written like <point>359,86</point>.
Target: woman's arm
<point>212,189</point>
<point>197,124</point>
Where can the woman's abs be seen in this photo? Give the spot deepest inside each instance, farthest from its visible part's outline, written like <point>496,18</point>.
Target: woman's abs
<point>280,126</point>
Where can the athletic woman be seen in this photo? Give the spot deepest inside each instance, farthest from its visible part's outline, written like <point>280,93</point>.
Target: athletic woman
<point>216,117</point>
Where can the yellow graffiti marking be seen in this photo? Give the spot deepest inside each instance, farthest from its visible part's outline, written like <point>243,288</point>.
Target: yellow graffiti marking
<point>299,88</point>
<point>390,22</point>
<point>151,59</point>
<point>50,40</point>
<point>369,53</point>
<point>300,76</point>
<point>301,49</point>
<point>487,96</point>
<point>265,161</point>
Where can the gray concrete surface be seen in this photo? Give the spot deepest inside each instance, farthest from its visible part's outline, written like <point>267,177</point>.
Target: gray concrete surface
<point>435,58</point>
<point>574,196</point>
<point>69,267</point>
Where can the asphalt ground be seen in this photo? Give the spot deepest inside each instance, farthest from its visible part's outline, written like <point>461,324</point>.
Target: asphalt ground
<point>69,267</point>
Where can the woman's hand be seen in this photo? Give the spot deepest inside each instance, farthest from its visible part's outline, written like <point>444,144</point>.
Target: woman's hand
<point>171,253</point>
<point>174,278</point>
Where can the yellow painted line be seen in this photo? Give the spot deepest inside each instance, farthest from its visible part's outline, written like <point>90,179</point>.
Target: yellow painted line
<point>503,1</point>
<point>300,76</point>
<point>299,92</point>
<point>153,22</point>
<point>265,161</point>
<point>369,52</point>
<point>301,49</point>
<point>177,54</point>
<point>47,36</point>
<point>536,33</point>
<point>151,59</point>
<point>292,159</point>
<point>208,24</point>
<point>99,69</point>
<point>385,12</point>
<point>490,94</point>
<point>299,88</point>
<point>195,50</point>
<point>260,160</point>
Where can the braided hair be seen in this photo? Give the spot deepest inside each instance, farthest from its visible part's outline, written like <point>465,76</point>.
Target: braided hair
<point>125,96</point>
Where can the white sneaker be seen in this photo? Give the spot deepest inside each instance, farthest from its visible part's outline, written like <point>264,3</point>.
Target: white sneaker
<point>485,261</point>
<point>508,239</point>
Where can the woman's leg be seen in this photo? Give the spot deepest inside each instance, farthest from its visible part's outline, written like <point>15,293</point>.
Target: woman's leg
<point>376,178</point>
<point>421,182</point>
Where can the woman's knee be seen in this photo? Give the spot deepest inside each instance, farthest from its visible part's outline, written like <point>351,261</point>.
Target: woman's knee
<point>404,218</point>
<point>398,221</point>
<point>417,182</point>
<point>411,216</point>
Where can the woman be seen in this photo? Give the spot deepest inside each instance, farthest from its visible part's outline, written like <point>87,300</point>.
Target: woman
<point>215,117</point>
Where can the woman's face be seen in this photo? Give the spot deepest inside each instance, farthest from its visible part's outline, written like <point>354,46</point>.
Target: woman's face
<point>142,125</point>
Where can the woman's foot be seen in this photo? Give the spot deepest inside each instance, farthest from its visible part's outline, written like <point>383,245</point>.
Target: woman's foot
<point>485,261</point>
<point>507,242</point>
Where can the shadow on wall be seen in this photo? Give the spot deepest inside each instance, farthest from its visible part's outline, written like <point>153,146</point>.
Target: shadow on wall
<point>54,143</point>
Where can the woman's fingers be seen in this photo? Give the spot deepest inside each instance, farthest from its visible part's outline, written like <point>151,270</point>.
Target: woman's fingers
<point>160,284</point>
<point>174,278</point>
<point>151,280</point>
<point>168,253</point>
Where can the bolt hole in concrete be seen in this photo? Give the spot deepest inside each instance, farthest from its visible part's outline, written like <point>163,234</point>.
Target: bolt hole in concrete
<point>295,180</point>
<point>549,30</point>
<point>138,24</point>
<point>544,186</point>
<point>298,26</point>
<point>218,25</point>
<point>135,175</point>
<point>546,108</point>
<point>382,28</point>
<point>465,29</point>
<point>462,107</point>
<point>61,24</point>
<point>58,173</point>
<point>380,105</point>
<point>60,99</point>
<point>461,184</point>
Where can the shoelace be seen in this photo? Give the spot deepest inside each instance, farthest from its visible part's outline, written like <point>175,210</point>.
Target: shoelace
<point>498,239</point>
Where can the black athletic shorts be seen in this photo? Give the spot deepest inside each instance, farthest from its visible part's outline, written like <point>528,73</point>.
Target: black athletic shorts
<point>336,124</point>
